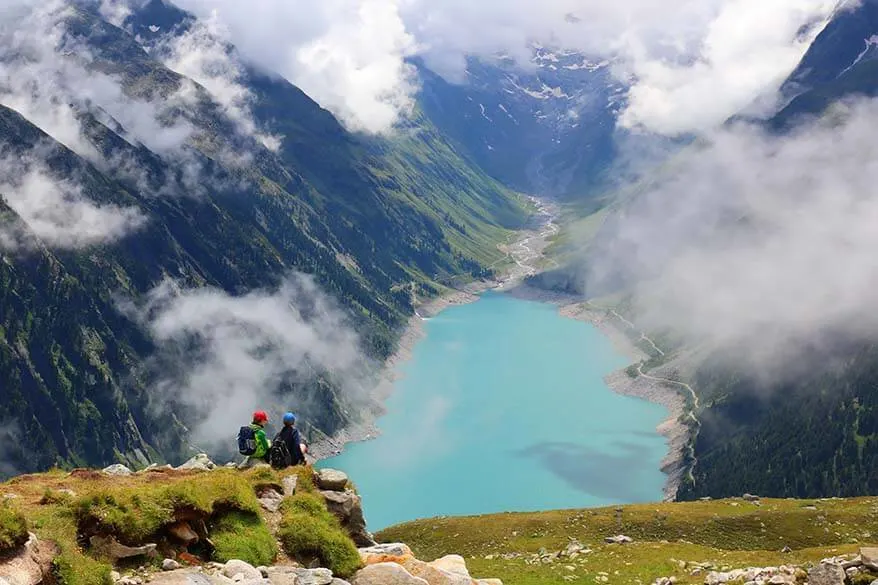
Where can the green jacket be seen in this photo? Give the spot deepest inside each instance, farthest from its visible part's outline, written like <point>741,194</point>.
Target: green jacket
<point>262,444</point>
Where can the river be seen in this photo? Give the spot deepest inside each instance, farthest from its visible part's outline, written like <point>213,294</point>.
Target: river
<point>503,407</point>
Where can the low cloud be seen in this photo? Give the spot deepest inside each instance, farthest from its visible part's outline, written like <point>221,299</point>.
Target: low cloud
<point>758,243</point>
<point>221,357</point>
<point>56,213</point>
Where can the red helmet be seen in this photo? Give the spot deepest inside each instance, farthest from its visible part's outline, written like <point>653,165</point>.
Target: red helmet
<point>260,417</point>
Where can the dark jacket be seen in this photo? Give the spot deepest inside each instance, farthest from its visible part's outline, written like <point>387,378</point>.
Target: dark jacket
<point>291,436</point>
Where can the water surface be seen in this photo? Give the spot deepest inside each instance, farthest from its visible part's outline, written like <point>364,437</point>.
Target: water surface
<point>503,408</point>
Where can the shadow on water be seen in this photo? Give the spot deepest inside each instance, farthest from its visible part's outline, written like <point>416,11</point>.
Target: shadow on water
<point>610,476</point>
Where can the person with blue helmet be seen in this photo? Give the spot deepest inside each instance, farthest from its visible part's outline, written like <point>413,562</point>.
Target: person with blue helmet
<point>292,440</point>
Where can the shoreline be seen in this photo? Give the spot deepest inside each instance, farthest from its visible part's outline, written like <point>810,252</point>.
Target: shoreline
<point>530,246</point>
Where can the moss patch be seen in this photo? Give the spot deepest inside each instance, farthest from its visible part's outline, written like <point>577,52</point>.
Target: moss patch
<point>244,536</point>
<point>309,530</point>
<point>13,530</point>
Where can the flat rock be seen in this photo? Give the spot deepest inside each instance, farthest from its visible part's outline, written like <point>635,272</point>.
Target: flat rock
<point>396,552</point>
<point>290,483</point>
<point>331,479</point>
<point>618,539</point>
<point>271,500</point>
<point>386,574</point>
<point>110,547</point>
<point>117,470</point>
<point>31,565</point>
<point>200,462</point>
<point>826,574</point>
<point>434,575</point>
<point>236,567</point>
<point>452,564</point>
<point>337,581</point>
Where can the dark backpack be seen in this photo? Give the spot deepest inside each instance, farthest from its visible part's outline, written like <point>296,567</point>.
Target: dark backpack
<point>279,456</point>
<point>247,441</point>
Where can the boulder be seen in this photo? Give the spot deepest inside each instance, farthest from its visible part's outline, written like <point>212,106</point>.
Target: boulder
<point>452,564</point>
<point>290,482</point>
<point>271,500</point>
<point>108,546</point>
<point>385,553</point>
<point>331,479</point>
<point>282,576</point>
<point>826,574</point>
<point>200,462</point>
<point>182,532</point>
<point>235,567</point>
<point>31,565</point>
<point>348,508</point>
<point>118,470</point>
<point>313,576</point>
<point>170,565</point>
<point>869,556</point>
<point>434,575</point>
<point>750,498</point>
<point>386,574</point>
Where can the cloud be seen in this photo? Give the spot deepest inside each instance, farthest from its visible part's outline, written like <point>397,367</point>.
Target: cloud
<point>758,243</point>
<point>10,453</point>
<point>222,357</point>
<point>349,55</point>
<point>56,213</point>
<point>202,54</point>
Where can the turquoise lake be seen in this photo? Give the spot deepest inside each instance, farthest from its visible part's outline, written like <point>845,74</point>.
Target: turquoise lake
<point>503,407</point>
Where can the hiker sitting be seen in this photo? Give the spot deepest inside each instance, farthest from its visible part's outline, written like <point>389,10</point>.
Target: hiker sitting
<point>288,448</point>
<point>252,441</point>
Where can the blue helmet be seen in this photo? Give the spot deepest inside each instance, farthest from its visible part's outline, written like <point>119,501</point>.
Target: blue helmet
<point>289,418</point>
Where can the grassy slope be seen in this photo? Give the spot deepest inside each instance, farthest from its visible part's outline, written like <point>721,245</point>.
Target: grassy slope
<point>725,533</point>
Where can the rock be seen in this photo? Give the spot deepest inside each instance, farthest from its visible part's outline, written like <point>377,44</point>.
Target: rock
<point>115,576</point>
<point>200,462</point>
<point>750,498</point>
<point>127,581</point>
<point>786,549</point>
<point>235,567</point>
<point>271,500</point>
<point>452,564</point>
<point>183,532</point>
<point>290,482</point>
<point>264,570</point>
<point>231,465</point>
<point>396,552</point>
<point>348,508</point>
<point>826,574</point>
<point>434,575</point>
<point>869,556</point>
<point>313,576</point>
<point>110,547</point>
<point>117,470</point>
<point>619,539</point>
<point>337,581</point>
<point>331,479</point>
<point>489,582</point>
<point>170,565</point>
<point>31,565</point>
<point>386,574</point>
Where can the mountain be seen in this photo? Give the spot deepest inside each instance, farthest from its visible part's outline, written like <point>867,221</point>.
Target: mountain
<point>376,222</point>
<point>547,128</point>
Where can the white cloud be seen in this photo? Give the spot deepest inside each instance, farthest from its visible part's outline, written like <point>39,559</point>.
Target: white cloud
<point>57,213</point>
<point>224,357</point>
<point>760,243</point>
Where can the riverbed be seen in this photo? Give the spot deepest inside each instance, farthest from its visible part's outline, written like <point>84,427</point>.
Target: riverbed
<point>503,407</point>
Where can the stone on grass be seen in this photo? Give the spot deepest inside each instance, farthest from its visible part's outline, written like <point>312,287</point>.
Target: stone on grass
<point>386,574</point>
<point>290,483</point>
<point>117,469</point>
<point>170,565</point>
<point>271,500</point>
<point>489,582</point>
<point>200,462</point>
<point>618,539</point>
<point>237,567</point>
<point>331,479</point>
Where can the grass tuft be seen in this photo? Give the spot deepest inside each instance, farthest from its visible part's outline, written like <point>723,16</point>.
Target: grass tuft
<point>309,530</point>
<point>244,536</point>
<point>13,530</point>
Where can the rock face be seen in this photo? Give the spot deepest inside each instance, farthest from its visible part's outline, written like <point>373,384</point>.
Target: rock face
<point>117,470</point>
<point>386,574</point>
<point>331,479</point>
<point>826,574</point>
<point>31,565</point>
<point>200,462</point>
<point>348,508</point>
<point>108,546</point>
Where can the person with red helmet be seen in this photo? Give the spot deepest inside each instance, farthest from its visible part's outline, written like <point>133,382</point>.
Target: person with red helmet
<point>260,419</point>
